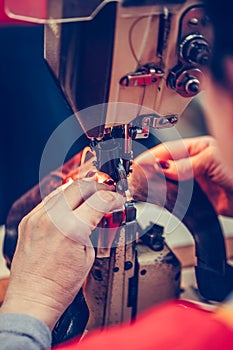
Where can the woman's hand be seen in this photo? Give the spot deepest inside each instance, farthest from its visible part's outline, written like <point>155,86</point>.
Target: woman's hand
<point>54,253</point>
<point>183,159</point>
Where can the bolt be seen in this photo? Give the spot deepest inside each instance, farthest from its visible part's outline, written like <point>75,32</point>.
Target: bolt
<point>128,265</point>
<point>194,87</point>
<point>193,21</point>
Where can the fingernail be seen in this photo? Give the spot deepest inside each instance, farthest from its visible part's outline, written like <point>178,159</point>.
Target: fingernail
<point>164,164</point>
<point>90,173</point>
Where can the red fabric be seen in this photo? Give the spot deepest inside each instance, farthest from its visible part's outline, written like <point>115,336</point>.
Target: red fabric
<point>173,326</point>
<point>29,8</point>
<point>5,20</point>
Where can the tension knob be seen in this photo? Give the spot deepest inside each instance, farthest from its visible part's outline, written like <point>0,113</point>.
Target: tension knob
<point>187,82</point>
<point>195,49</point>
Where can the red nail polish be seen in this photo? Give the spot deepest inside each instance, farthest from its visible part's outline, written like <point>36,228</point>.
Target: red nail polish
<point>164,164</point>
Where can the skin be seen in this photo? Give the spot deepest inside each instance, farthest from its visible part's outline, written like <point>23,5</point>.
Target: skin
<point>219,114</point>
<point>42,266</point>
<point>199,157</point>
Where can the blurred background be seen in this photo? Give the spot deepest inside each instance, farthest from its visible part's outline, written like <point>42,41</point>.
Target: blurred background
<point>31,107</point>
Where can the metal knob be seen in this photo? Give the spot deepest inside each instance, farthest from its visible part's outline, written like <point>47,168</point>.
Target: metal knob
<point>192,85</point>
<point>186,82</point>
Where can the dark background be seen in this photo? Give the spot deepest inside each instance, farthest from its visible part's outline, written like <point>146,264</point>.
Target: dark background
<point>31,107</point>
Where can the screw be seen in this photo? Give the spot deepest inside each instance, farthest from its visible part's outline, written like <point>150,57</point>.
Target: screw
<point>128,265</point>
<point>193,21</point>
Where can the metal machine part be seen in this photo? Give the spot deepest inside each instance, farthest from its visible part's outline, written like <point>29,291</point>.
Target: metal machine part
<point>146,75</point>
<point>194,49</point>
<point>140,128</point>
<point>186,82</point>
<point>113,291</point>
<point>130,52</point>
<point>107,289</point>
<point>123,51</point>
<point>117,289</point>
<point>195,37</point>
<point>187,78</point>
<point>159,275</point>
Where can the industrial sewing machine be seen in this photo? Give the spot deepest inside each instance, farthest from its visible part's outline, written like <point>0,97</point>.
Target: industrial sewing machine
<point>132,66</point>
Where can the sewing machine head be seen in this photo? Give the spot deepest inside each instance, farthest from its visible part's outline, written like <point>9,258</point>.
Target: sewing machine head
<point>124,66</point>
<point>150,53</point>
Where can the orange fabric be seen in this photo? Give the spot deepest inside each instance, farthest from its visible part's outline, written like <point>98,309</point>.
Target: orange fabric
<point>172,326</point>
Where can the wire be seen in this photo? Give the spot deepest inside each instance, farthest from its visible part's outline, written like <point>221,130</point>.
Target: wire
<point>140,102</point>
<point>131,39</point>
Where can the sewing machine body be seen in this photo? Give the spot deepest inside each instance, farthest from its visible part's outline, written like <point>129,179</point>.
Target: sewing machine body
<point>147,56</point>
<point>144,55</point>
<point>118,289</point>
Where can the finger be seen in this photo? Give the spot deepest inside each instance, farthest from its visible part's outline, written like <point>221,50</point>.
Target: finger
<point>87,216</point>
<point>171,150</point>
<point>76,193</point>
<point>98,204</point>
<point>174,150</point>
<point>187,168</point>
<point>166,151</point>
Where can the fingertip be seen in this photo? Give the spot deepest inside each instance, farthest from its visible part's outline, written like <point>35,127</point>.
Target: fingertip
<point>106,201</point>
<point>164,164</point>
<point>168,168</point>
<point>112,197</point>
<point>119,198</point>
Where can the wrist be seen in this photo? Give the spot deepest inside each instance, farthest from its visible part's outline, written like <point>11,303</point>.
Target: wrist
<point>21,305</point>
<point>35,299</point>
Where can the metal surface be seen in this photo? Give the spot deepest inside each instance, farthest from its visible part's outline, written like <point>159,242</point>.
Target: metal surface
<point>158,276</point>
<point>132,279</point>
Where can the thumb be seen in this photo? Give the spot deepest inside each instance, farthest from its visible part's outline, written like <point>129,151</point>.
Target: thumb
<point>100,203</point>
<point>87,216</point>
